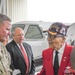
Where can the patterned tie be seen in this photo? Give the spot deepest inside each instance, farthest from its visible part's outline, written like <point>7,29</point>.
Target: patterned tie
<point>56,64</point>
<point>25,57</point>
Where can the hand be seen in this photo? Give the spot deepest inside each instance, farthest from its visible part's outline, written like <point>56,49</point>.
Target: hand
<point>16,72</point>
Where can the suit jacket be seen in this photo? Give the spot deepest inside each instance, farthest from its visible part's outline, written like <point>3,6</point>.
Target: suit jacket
<point>17,59</point>
<point>48,61</point>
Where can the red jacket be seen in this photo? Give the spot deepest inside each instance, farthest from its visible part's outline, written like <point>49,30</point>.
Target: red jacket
<point>48,61</point>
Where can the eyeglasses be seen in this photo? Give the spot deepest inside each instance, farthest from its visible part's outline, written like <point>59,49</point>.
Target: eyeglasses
<point>54,36</point>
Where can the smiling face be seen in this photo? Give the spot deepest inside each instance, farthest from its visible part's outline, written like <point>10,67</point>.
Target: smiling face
<point>5,30</point>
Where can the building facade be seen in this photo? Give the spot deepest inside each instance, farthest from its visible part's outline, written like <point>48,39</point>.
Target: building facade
<point>15,9</point>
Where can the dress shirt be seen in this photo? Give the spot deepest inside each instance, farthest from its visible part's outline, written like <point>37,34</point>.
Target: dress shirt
<point>60,53</point>
<point>20,48</point>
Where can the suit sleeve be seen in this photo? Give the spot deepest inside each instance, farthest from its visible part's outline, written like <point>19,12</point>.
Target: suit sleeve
<point>32,72</point>
<point>32,68</point>
<point>42,72</point>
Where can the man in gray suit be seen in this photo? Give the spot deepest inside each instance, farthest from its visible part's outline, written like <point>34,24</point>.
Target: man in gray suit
<point>25,65</point>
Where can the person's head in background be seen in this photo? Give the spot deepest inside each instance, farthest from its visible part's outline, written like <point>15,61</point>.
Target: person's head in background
<point>57,35</point>
<point>5,26</point>
<point>18,35</point>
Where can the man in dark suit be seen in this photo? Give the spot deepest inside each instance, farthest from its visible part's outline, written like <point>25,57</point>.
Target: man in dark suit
<point>17,56</point>
<point>56,60</point>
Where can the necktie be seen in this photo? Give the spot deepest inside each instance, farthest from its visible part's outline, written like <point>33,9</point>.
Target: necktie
<point>25,57</point>
<point>56,64</point>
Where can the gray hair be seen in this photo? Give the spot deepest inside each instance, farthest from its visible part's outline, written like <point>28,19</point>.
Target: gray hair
<point>4,18</point>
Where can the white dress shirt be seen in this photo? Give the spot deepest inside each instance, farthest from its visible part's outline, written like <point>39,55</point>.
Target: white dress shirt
<point>60,54</point>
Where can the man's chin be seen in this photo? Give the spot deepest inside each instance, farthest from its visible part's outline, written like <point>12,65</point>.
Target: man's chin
<point>2,40</point>
<point>56,49</point>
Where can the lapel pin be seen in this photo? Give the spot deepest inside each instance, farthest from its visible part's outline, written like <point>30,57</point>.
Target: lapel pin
<point>64,60</point>
<point>64,57</point>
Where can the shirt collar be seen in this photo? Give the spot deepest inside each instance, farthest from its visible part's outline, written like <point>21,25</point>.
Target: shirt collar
<point>61,50</point>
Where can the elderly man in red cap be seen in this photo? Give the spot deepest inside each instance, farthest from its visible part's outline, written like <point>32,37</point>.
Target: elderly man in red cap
<point>56,59</point>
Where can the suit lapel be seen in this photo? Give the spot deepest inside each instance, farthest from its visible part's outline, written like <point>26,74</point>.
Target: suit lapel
<point>18,50</point>
<point>27,51</point>
<point>50,62</point>
<point>65,59</point>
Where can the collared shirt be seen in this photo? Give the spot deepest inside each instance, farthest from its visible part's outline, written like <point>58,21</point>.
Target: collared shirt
<point>20,48</point>
<point>60,54</point>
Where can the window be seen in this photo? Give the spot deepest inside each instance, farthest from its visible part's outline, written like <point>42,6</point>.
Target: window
<point>33,32</point>
<point>18,25</point>
<point>15,26</point>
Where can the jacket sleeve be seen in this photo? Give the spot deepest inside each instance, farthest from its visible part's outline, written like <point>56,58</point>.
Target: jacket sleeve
<point>42,72</point>
<point>32,71</point>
